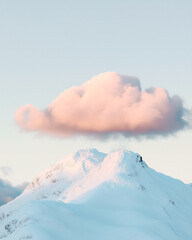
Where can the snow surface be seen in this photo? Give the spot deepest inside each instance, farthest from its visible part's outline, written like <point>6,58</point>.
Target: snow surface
<point>92,195</point>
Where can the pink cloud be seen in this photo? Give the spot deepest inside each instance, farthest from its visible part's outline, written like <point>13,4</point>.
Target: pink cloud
<point>108,103</point>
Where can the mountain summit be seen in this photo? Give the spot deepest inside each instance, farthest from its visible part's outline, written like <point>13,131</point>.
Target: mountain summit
<point>85,170</point>
<point>98,196</point>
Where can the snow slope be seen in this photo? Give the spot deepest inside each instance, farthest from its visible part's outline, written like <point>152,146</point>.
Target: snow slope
<point>92,195</point>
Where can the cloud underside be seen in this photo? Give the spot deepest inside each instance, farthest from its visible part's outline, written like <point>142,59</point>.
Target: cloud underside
<point>107,104</point>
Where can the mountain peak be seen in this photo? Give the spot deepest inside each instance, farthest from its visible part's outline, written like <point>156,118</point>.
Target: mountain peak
<point>84,170</point>
<point>91,154</point>
<point>100,196</point>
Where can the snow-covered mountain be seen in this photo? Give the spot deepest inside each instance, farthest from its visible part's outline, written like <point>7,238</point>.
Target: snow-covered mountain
<point>95,196</point>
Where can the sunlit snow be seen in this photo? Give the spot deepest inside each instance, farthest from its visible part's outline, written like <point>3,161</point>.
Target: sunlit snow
<point>97,196</point>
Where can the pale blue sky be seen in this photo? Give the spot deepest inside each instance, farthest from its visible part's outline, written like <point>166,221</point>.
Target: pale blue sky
<point>48,46</point>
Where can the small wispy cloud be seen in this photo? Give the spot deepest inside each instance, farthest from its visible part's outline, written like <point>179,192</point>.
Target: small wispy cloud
<point>107,104</point>
<point>6,170</point>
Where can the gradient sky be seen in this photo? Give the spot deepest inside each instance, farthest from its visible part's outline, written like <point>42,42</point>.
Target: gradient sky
<point>49,46</point>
